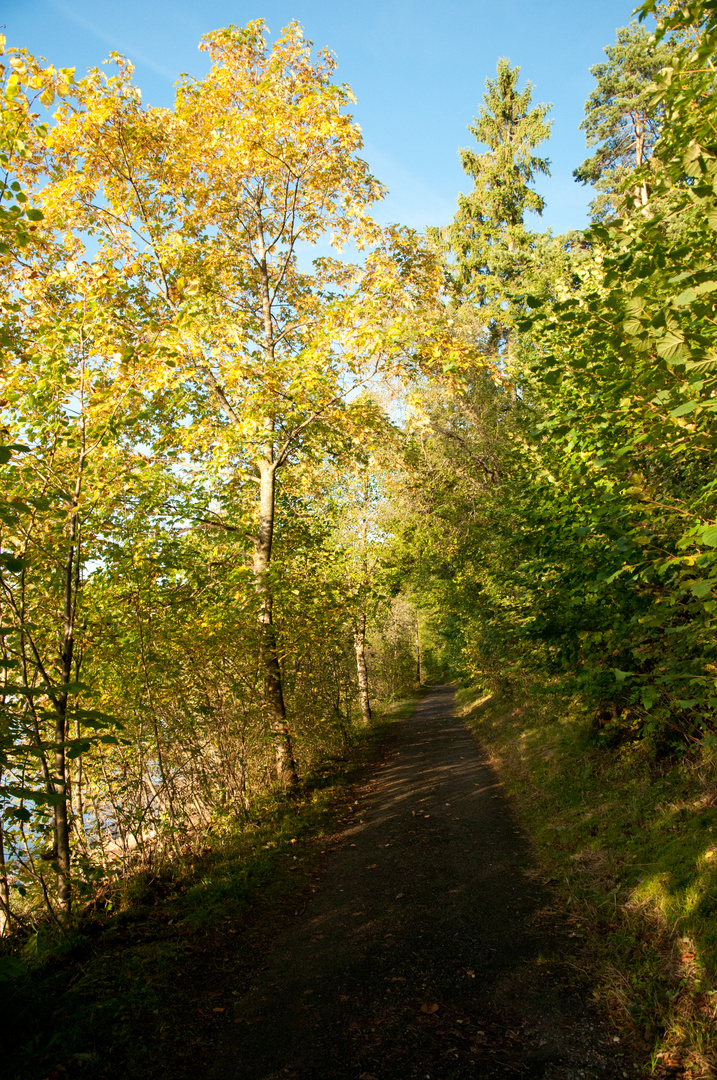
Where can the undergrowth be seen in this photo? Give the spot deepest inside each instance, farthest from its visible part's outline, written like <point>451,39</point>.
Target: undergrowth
<point>630,843</point>
<point>136,987</point>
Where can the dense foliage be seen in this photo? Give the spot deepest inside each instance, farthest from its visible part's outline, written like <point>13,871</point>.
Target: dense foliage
<point>572,523</point>
<point>247,494</point>
<point>193,447</point>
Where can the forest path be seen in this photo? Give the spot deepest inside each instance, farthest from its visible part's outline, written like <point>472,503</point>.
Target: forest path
<point>428,950</point>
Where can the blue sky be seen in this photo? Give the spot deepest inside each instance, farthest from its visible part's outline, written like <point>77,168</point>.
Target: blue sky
<point>417,68</point>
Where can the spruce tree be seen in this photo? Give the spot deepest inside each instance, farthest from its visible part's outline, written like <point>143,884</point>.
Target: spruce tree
<point>488,237</point>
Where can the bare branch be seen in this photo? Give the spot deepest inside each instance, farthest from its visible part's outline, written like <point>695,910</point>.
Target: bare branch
<point>220,395</point>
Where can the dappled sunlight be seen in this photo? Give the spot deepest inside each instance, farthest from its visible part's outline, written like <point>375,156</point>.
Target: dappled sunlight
<point>430,908</point>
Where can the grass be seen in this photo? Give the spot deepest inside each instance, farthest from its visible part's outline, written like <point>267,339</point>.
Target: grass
<point>136,988</point>
<point>630,845</point>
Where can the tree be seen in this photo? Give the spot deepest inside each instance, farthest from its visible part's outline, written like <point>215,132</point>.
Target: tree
<point>622,117</point>
<point>587,550</point>
<point>362,572</point>
<point>488,236</point>
<point>25,84</point>
<point>623,372</point>
<point>245,358</point>
<point>277,167</point>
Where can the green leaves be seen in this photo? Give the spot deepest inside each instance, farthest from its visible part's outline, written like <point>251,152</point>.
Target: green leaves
<point>671,346</point>
<point>689,296</point>
<point>12,562</point>
<point>685,408</point>
<point>40,798</point>
<point>593,559</point>
<point>708,535</point>
<point>702,588</point>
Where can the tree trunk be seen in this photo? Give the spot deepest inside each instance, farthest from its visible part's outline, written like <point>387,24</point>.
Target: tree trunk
<point>418,654</point>
<point>77,797</point>
<point>273,692</point>
<point>4,889</point>
<point>641,189</point>
<point>61,816</point>
<point>361,671</point>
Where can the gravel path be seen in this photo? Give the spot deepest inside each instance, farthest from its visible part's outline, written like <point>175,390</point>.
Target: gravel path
<point>428,951</point>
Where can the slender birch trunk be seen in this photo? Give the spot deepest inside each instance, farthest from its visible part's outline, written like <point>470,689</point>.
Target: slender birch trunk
<point>361,670</point>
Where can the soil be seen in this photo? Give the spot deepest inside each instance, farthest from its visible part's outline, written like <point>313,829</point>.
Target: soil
<point>428,949</point>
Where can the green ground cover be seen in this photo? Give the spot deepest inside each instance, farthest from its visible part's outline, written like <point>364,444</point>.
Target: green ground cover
<point>629,845</point>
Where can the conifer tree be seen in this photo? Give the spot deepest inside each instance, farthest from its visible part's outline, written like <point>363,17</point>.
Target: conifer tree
<point>621,117</point>
<point>488,236</point>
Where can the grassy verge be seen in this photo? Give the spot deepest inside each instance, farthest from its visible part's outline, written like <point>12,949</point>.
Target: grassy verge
<point>631,847</point>
<point>139,988</point>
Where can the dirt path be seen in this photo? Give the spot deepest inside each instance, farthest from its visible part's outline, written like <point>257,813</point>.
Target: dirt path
<point>427,951</point>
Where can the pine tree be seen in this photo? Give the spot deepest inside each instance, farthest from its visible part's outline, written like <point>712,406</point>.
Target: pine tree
<point>488,236</point>
<point>621,118</point>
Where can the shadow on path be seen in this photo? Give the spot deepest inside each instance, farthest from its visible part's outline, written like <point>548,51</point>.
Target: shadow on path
<point>426,952</point>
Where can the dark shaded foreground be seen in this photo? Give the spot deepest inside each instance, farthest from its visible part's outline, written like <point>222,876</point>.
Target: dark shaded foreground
<point>428,951</point>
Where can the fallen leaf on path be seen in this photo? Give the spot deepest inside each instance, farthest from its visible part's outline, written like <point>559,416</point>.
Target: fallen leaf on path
<point>355,914</point>
<point>372,866</point>
<point>218,1010</point>
<point>400,896</point>
<point>429,1009</point>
